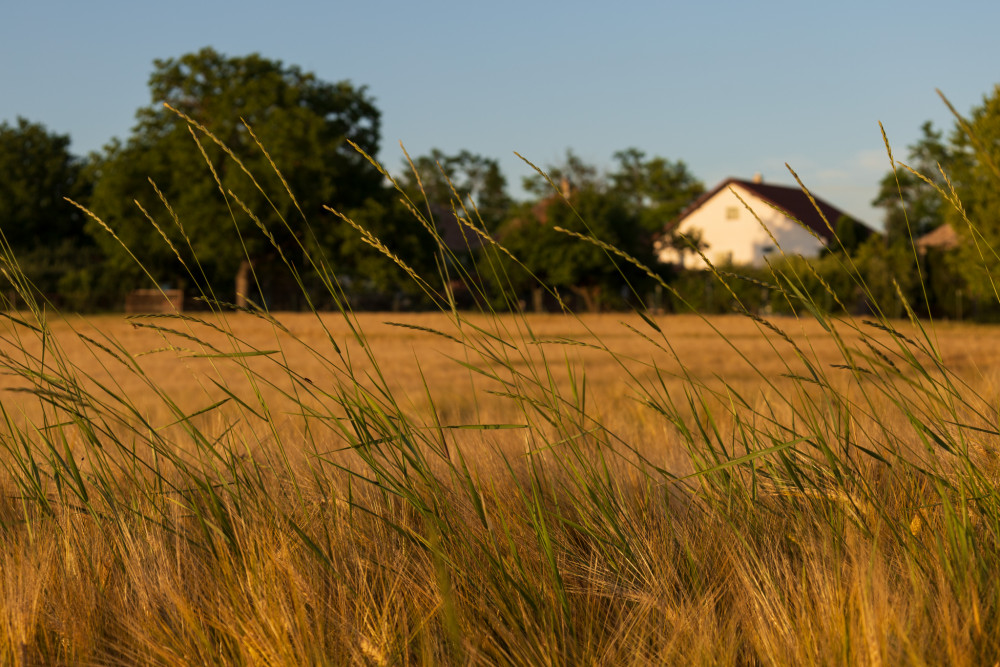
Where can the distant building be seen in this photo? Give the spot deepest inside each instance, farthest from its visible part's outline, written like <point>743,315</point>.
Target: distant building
<point>943,238</point>
<point>154,301</point>
<point>728,233</point>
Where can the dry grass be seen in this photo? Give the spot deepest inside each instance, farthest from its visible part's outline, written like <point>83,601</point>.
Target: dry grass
<point>279,552</point>
<point>732,349</point>
<point>496,489</point>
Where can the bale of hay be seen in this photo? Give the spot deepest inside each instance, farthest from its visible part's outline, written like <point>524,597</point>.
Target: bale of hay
<point>154,301</point>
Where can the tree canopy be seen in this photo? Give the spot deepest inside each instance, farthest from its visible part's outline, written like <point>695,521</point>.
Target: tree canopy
<point>913,206</point>
<point>303,123</point>
<point>655,189</point>
<point>975,173</point>
<point>476,180</point>
<point>45,233</point>
<point>38,172</point>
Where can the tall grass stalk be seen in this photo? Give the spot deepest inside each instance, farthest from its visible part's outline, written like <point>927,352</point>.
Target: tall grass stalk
<point>280,512</point>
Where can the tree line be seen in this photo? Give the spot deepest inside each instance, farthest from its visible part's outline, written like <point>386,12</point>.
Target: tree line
<point>237,178</point>
<point>179,207</point>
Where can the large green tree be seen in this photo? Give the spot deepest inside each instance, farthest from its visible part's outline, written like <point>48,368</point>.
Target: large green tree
<point>45,233</point>
<point>304,124</point>
<point>38,172</point>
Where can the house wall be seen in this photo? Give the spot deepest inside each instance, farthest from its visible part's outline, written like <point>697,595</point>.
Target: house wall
<point>739,239</point>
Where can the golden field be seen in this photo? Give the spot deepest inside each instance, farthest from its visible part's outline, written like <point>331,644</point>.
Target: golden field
<point>498,490</point>
<point>182,357</point>
<point>619,356</point>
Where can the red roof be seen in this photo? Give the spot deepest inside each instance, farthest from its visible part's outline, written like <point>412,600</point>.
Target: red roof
<point>944,237</point>
<point>792,200</point>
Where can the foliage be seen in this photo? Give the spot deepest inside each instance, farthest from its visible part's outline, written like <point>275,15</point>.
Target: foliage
<point>975,171</point>
<point>305,124</point>
<point>656,189</point>
<point>39,172</point>
<point>469,180</point>
<point>572,173</point>
<point>889,271</point>
<point>44,232</point>
<point>369,281</point>
<point>627,209</point>
<point>728,289</point>
<point>537,236</point>
<point>913,206</point>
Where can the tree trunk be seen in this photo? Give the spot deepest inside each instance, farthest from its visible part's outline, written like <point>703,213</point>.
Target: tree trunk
<point>243,283</point>
<point>591,297</point>
<point>537,299</point>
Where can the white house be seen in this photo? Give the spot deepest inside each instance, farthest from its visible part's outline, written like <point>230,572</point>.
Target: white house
<point>729,233</point>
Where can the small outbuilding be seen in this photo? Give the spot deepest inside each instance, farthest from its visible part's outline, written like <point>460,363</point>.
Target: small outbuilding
<point>942,238</point>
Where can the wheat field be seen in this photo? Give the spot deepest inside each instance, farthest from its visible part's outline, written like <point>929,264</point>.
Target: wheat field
<point>497,489</point>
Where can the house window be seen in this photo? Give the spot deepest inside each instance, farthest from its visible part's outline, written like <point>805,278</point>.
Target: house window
<point>732,212</point>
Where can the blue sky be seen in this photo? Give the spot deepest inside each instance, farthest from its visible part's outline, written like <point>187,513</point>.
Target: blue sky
<point>731,88</point>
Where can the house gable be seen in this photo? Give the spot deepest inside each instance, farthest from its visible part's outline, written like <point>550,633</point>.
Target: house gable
<point>729,233</point>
